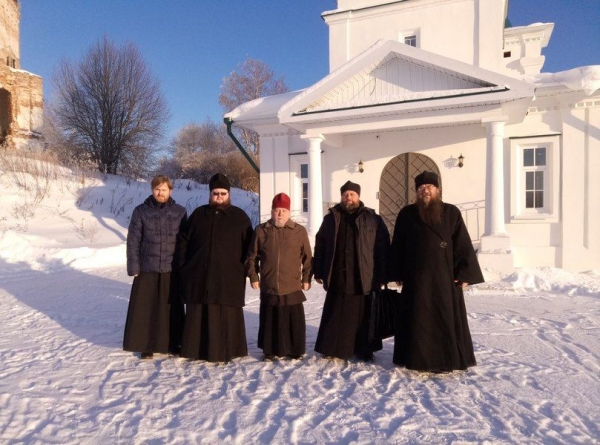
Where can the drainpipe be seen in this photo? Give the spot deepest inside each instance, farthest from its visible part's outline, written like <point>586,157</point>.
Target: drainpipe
<point>229,122</point>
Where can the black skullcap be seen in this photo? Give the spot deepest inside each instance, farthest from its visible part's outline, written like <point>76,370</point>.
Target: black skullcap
<point>219,181</point>
<point>427,178</point>
<point>350,186</point>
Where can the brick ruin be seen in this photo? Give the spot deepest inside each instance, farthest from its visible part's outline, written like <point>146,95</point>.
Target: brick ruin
<point>21,92</point>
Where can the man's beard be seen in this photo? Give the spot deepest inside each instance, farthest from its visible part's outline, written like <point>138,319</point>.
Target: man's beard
<point>220,206</point>
<point>430,213</point>
<point>350,207</point>
<point>278,224</point>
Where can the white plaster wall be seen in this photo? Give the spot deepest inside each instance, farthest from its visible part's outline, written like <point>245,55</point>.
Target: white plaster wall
<point>282,166</point>
<point>275,170</point>
<point>436,23</point>
<point>572,239</point>
<point>267,175</point>
<point>489,32</point>
<point>592,183</point>
<point>536,243</point>
<point>573,156</point>
<point>581,170</point>
<point>461,186</point>
<point>547,121</point>
<point>533,242</point>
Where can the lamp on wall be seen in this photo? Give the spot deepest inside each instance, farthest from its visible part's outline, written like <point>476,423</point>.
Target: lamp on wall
<point>461,160</point>
<point>361,167</point>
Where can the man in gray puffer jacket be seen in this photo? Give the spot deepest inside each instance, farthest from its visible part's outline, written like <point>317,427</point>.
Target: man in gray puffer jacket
<point>154,321</point>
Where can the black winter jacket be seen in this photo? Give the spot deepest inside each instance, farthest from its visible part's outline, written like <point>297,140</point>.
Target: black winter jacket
<point>210,255</point>
<point>152,236</point>
<point>372,247</point>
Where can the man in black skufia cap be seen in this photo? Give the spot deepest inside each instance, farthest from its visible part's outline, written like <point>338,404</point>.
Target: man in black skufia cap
<point>210,254</point>
<point>351,248</point>
<point>433,257</point>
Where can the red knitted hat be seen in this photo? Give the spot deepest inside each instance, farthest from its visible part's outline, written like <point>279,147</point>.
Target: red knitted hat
<point>281,201</point>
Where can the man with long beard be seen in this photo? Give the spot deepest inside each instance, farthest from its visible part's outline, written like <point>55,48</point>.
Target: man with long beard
<point>433,258</point>
<point>211,252</point>
<point>351,249</point>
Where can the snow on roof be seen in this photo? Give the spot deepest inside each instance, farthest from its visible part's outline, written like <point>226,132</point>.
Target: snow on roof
<point>584,78</point>
<point>261,108</point>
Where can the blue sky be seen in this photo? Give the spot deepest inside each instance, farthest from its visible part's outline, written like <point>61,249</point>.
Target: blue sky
<point>191,45</point>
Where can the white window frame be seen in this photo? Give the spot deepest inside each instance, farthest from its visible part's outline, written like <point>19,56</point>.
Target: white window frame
<point>296,162</point>
<point>550,210</point>
<point>410,33</point>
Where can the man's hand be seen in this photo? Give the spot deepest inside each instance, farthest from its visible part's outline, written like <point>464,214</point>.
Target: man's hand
<point>255,284</point>
<point>319,280</point>
<point>462,283</point>
<point>305,286</point>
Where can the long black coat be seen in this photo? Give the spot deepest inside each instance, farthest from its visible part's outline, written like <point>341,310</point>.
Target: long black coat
<point>152,236</point>
<point>435,333</point>
<point>210,254</point>
<point>372,247</point>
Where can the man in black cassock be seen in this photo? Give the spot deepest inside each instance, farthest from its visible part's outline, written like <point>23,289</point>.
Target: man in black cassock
<point>433,258</point>
<point>351,249</point>
<point>210,253</point>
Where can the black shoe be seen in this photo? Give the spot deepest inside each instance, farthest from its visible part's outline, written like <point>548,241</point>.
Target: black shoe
<point>146,355</point>
<point>367,357</point>
<point>269,358</point>
<point>295,356</point>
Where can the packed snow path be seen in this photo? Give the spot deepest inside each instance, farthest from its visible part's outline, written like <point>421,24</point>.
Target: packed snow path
<point>64,378</point>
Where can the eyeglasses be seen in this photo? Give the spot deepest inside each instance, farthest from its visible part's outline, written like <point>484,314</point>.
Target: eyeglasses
<point>219,193</point>
<point>424,187</point>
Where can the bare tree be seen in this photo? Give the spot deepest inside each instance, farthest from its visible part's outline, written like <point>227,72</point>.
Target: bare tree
<point>110,108</point>
<point>251,80</point>
<point>205,137</point>
<point>201,150</point>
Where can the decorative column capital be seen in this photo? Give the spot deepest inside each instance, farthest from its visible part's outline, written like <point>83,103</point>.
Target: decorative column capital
<point>494,119</point>
<point>313,137</point>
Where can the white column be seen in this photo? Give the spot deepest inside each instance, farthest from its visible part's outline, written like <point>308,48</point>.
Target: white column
<point>494,187</point>
<point>495,252</point>
<point>315,186</point>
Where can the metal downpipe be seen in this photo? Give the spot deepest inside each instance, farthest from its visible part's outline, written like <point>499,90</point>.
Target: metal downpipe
<point>229,122</point>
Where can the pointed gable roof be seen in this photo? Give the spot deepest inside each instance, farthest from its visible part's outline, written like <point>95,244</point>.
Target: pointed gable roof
<point>394,78</point>
<point>398,84</point>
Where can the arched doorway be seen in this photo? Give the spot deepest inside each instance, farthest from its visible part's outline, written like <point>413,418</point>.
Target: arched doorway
<point>4,114</point>
<point>396,186</point>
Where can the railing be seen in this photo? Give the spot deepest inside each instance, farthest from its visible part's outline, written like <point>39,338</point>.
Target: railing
<point>474,216</point>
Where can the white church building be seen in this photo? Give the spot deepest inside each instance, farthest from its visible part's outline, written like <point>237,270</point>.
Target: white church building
<point>517,150</point>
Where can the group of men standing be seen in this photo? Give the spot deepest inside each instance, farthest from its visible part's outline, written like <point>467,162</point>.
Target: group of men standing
<point>203,262</point>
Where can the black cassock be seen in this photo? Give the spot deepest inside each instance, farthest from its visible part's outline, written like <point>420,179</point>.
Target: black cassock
<point>434,333</point>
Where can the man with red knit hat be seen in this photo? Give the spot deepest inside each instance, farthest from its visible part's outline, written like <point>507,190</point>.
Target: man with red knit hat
<point>279,264</point>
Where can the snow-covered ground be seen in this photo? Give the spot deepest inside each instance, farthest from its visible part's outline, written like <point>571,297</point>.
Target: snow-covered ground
<point>65,380</point>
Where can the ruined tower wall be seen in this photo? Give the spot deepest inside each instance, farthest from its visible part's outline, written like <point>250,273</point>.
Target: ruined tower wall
<point>21,92</point>
<point>9,33</point>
